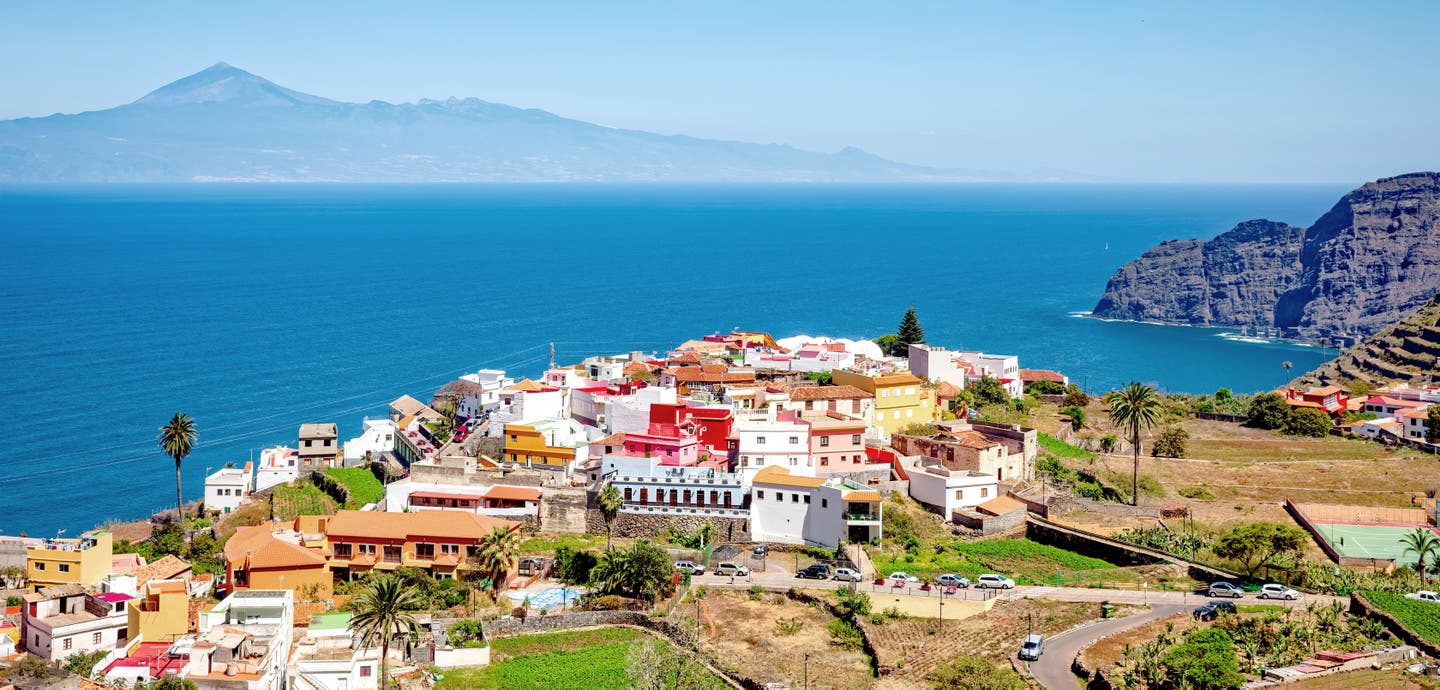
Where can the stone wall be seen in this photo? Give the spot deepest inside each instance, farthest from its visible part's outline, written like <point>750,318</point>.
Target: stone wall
<point>1117,552</point>
<point>1360,607</point>
<point>632,525</point>
<point>564,510</point>
<point>991,524</point>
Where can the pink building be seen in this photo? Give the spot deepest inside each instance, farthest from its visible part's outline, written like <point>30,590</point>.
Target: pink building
<point>669,443</point>
<point>836,442</point>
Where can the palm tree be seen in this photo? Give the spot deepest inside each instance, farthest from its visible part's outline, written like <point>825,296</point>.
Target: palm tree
<point>643,571</point>
<point>610,502</point>
<point>1287,364</point>
<point>382,609</point>
<point>497,550</point>
<point>177,439</point>
<point>1424,544</point>
<point>1135,408</point>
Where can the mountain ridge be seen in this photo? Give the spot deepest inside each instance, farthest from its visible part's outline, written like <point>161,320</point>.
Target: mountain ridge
<point>1364,264</point>
<point>226,124</point>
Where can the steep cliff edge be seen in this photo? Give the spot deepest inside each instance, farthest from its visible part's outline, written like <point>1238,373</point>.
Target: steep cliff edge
<point>1364,265</point>
<point>1407,353</point>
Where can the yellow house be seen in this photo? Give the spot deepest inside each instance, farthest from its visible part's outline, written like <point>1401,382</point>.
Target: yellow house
<point>525,444</point>
<point>84,561</point>
<point>901,398</point>
<point>163,614</point>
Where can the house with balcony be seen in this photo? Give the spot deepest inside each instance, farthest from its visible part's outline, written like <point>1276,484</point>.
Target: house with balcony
<point>1004,368</point>
<point>939,364</point>
<point>1414,423</point>
<point>814,511</point>
<point>84,561</point>
<point>901,398</point>
<point>844,399</point>
<point>711,378</point>
<point>1385,405</point>
<point>439,541</point>
<point>495,500</point>
<point>772,438</point>
<point>837,443</point>
<point>528,402</point>
<point>377,437</point>
<point>478,392</point>
<point>631,412</point>
<point>229,487</point>
<point>275,557</point>
<point>406,406</point>
<point>944,488</point>
<point>60,621</point>
<point>326,657</point>
<point>652,489</point>
<point>1005,451</point>
<point>1328,399</point>
<point>319,447</point>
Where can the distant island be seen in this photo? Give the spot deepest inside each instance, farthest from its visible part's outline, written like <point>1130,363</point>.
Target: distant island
<point>224,124</point>
<point>1364,265</point>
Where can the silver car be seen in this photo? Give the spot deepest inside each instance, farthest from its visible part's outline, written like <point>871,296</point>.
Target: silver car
<point>1273,591</point>
<point>690,567</point>
<point>950,580</point>
<point>731,568</point>
<point>1225,589</point>
<point>846,575</point>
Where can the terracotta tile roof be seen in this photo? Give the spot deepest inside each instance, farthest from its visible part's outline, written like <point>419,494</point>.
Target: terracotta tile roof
<point>1327,390</point>
<point>513,493</point>
<point>968,438</point>
<point>1028,375</point>
<point>263,550</point>
<point>407,406</point>
<point>1305,403</point>
<point>947,390</point>
<point>863,495</point>
<point>123,563</point>
<point>897,379</point>
<point>710,373</point>
<point>775,475</point>
<point>402,526</point>
<point>616,439</point>
<point>527,386</point>
<point>825,392</point>
<point>636,368</point>
<point>55,592</point>
<point>169,567</point>
<point>447,496</point>
<point>1000,505</point>
<point>691,357</point>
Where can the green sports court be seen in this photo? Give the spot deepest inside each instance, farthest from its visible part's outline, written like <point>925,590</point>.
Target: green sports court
<point>1361,533</point>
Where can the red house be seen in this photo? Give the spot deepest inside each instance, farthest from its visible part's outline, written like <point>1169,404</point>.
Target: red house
<point>1330,399</point>
<point>712,424</point>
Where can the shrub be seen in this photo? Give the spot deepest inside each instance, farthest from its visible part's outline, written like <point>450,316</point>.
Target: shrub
<point>890,613</point>
<point>845,635</point>
<point>1108,443</point>
<point>920,429</point>
<point>1076,415</point>
<point>13,601</point>
<point>1043,387</point>
<point>467,633</point>
<point>1075,398</point>
<point>975,673</point>
<point>1170,443</point>
<point>756,591</point>
<point>988,391</point>
<point>1267,411</point>
<point>1197,492</point>
<point>1206,661</point>
<point>607,602</point>
<point>852,603</point>
<point>789,626</point>
<point>1418,616</point>
<point>1306,421</point>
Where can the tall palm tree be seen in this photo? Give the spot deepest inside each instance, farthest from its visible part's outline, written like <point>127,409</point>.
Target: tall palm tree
<point>1135,408</point>
<point>497,551</point>
<point>610,502</point>
<point>177,439</point>
<point>383,609</point>
<point>1287,364</point>
<point>1424,544</point>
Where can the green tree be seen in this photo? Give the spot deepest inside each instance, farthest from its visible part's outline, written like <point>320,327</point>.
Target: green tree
<point>1045,387</point>
<point>1307,421</point>
<point>1224,395</point>
<point>975,673</point>
<point>988,391</point>
<point>1424,544</point>
<point>824,378</point>
<point>574,566</point>
<point>1076,415</point>
<point>891,345</point>
<point>493,556</point>
<point>642,571</point>
<point>1074,397</point>
<point>610,502</point>
<point>1135,408</point>
<point>172,683</point>
<point>1267,411</point>
<point>1432,419</point>
<point>910,330</point>
<point>383,608</point>
<point>202,545</point>
<point>177,439</point>
<point>1258,544</point>
<point>1170,443</point>
<point>1206,661</point>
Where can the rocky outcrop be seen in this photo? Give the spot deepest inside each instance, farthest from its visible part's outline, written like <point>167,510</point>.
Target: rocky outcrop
<point>1405,353</point>
<point>1361,267</point>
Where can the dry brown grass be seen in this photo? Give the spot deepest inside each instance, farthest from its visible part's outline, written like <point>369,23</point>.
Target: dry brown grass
<point>745,636</point>
<point>1392,679</point>
<point>1107,651</point>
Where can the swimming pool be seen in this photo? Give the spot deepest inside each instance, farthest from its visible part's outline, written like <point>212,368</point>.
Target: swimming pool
<point>548,599</point>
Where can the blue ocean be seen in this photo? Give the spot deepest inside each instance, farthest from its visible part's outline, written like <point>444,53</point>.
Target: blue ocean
<point>255,308</point>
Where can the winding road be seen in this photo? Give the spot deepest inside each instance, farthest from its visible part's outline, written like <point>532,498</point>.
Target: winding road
<point>1053,668</point>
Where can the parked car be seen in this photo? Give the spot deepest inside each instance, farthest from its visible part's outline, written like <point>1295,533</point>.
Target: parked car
<point>1032,647</point>
<point>847,575</point>
<point>950,580</point>
<point>731,568</point>
<point>1212,610</point>
<point>761,551</point>
<point>1425,595</point>
<point>906,578</point>
<point>993,581</point>
<point>690,567</point>
<point>815,571</point>
<point>1273,591</point>
<point>1225,589</point>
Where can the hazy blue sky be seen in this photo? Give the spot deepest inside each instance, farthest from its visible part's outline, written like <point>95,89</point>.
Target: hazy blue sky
<point>1257,91</point>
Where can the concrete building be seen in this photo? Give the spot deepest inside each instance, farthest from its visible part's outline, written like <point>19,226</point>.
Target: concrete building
<point>837,443</point>
<point>478,392</point>
<point>278,465</point>
<point>162,614</point>
<point>319,447</point>
<point>550,444</point>
<point>651,489</point>
<point>945,490</point>
<point>939,365</point>
<point>229,487</point>
<point>772,438</point>
<point>527,402</point>
<point>901,398</point>
<point>275,557</point>
<point>1005,451</point>
<point>439,541</point>
<point>83,561</point>
<point>790,509</point>
<point>494,500</point>
<point>60,621</point>
<point>377,436</point>
<point>631,413</point>
<point>1005,368</point>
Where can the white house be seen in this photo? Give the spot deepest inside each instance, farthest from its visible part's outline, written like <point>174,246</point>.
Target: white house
<point>1414,423</point>
<point>497,500</point>
<point>630,414</point>
<point>790,509</point>
<point>326,659</point>
<point>946,490</point>
<point>278,465</point>
<point>939,365</point>
<point>61,621</point>
<point>480,391</point>
<point>229,487</point>
<point>527,402</point>
<point>652,489</point>
<point>1006,368</point>
<point>773,438</point>
<point>377,437</point>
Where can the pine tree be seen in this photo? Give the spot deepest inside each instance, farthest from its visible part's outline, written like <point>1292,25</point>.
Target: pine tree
<point>910,330</point>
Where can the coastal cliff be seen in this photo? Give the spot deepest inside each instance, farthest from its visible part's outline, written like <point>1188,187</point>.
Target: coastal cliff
<point>1365,264</point>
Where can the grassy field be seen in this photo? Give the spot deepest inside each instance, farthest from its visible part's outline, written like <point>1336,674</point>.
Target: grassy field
<point>1392,679</point>
<point>1027,561</point>
<point>364,487</point>
<point>574,659</point>
<point>302,498</point>
<point>1061,449</point>
<point>545,544</point>
<point>1421,617</point>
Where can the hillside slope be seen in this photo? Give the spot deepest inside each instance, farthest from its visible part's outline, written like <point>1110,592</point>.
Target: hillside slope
<point>1407,352</point>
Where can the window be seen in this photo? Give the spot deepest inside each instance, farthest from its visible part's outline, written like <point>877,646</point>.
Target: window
<point>824,461</point>
<point>39,566</point>
<point>779,497</point>
<point>342,550</point>
<point>984,491</point>
<point>760,440</point>
<point>67,643</point>
<point>367,549</point>
<point>794,440</point>
<point>855,439</point>
<point>426,551</point>
<point>95,638</point>
<point>308,443</point>
<point>908,413</point>
<point>450,549</point>
<point>824,441</point>
<point>824,503</point>
<point>64,567</point>
<point>627,494</point>
<point>366,671</point>
<point>744,461</point>
<point>809,404</point>
<point>794,462</point>
<point>909,390</point>
<point>959,494</point>
<point>760,495</point>
<point>807,498</point>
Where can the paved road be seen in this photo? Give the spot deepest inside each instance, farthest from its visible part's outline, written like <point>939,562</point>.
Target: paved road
<point>1053,668</point>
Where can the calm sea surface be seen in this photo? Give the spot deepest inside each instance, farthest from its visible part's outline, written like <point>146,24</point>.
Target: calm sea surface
<point>255,308</point>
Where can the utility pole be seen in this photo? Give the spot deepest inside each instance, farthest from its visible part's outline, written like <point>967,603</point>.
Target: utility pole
<point>807,670</point>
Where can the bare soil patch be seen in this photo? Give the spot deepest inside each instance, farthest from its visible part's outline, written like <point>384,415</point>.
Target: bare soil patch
<point>748,638</point>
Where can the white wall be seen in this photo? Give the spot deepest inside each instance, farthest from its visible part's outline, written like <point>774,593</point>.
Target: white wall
<point>776,516</point>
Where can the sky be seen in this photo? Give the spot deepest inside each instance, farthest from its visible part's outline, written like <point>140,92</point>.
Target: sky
<point>1162,92</point>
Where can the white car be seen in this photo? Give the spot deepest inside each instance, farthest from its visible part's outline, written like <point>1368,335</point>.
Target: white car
<point>690,567</point>
<point>731,568</point>
<point>905,578</point>
<point>993,581</point>
<point>1273,591</point>
<point>1425,595</point>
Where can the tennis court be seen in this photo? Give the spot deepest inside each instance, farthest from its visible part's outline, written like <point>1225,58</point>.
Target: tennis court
<point>1369,541</point>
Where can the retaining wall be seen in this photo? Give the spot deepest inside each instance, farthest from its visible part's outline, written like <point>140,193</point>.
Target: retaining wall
<point>1115,551</point>
<point>634,525</point>
<point>1360,607</point>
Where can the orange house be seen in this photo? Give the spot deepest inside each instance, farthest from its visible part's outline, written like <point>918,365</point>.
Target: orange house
<point>440,541</point>
<point>256,558</point>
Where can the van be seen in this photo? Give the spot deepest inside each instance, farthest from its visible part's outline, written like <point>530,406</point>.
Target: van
<point>1032,648</point>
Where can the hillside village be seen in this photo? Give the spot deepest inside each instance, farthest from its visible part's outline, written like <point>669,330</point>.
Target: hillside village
<point>727,485</point>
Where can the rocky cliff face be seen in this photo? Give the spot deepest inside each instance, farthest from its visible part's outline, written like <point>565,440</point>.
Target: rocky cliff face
<point>1361,267</point>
